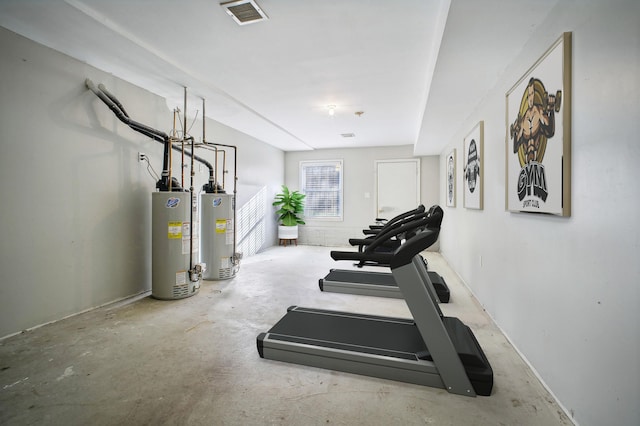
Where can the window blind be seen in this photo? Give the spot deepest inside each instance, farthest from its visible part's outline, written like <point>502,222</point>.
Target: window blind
<point>322,184</point>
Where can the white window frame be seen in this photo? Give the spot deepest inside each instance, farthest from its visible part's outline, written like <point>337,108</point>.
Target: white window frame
<point>338,164</point>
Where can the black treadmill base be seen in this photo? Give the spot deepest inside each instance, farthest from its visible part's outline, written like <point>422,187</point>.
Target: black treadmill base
<point>358,282</point>
<point>305,333</point>
<point>440,286</point>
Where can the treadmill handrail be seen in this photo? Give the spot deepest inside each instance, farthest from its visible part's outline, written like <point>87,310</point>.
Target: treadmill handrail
<point>391,222</point>
<point>412,247</point>
<point>390,232</point>
<point>401,218</point>
<point>435,214</point>
<point>369,253</point>
<point>401,227</point>
<point>396,221</point>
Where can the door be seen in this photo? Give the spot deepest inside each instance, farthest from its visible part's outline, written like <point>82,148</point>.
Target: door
<point>397,186</point>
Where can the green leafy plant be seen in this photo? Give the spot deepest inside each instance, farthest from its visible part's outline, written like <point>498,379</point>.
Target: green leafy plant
<point>291,205</point>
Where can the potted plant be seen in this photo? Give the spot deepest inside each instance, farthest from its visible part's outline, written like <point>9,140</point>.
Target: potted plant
<point>290,213</point>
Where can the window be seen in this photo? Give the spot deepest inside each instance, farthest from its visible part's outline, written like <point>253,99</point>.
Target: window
<point>321,182</point>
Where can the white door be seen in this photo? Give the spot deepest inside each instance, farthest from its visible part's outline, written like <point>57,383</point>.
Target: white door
<point>397,186</point>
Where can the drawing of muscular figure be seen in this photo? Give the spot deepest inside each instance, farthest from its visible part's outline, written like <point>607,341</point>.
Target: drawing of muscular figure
<point>535,122</point>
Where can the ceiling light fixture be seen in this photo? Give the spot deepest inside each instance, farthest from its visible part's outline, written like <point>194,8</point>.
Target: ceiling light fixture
<point>332,110</point>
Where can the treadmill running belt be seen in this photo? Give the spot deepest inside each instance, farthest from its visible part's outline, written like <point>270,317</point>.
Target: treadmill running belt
<point>357,282</point>
<point>400,336</point>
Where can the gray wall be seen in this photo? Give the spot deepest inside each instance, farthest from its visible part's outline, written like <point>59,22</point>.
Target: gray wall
<point>76,204</point>
<point>566,290</point>
<point>358,178</point>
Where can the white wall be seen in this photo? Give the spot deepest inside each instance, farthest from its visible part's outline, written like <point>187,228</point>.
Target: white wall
<point>260,175</point>
<point>358,179</point>
<point>566,290</point>
<point>76,204</point>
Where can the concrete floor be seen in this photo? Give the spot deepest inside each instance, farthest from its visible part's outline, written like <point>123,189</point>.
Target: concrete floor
<point>194,361</point>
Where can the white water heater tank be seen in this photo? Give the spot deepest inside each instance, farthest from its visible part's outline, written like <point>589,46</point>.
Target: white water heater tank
<point>217,249</point>
<point>171,243</point>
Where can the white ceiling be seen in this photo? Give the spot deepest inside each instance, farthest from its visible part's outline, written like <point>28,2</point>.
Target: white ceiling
<point>416,68</point>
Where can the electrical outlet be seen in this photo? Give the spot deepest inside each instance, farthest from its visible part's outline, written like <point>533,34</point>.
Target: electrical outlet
<point>141,156</point>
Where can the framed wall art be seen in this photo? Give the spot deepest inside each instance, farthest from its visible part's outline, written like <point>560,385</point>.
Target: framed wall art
<point>451,178</point>
<point>473,174</point>
<point>538,141</point>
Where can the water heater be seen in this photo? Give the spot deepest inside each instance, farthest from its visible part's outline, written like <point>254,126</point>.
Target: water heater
<point>218,235</point>
<point>172,243</point>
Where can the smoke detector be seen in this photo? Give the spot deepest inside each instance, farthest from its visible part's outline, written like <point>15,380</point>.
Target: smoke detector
<point>244,11</point>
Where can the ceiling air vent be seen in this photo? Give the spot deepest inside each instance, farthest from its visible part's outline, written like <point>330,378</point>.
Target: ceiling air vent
<point>244,11</point>
<point>348,135</point>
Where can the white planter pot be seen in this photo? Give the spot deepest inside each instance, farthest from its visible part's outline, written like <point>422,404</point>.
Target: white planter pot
<point>288,232</point>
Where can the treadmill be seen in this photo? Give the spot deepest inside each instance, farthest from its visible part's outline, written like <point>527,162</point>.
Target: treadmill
<point>382,284</point>
<point>430,349</point>
<point>388,238</point>
<point>382,225</point>
<point>372,283</point>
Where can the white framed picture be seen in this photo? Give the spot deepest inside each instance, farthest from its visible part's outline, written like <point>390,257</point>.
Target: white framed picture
<point>451,178</point>
<point>473,172</point>
<point>538,141</point>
